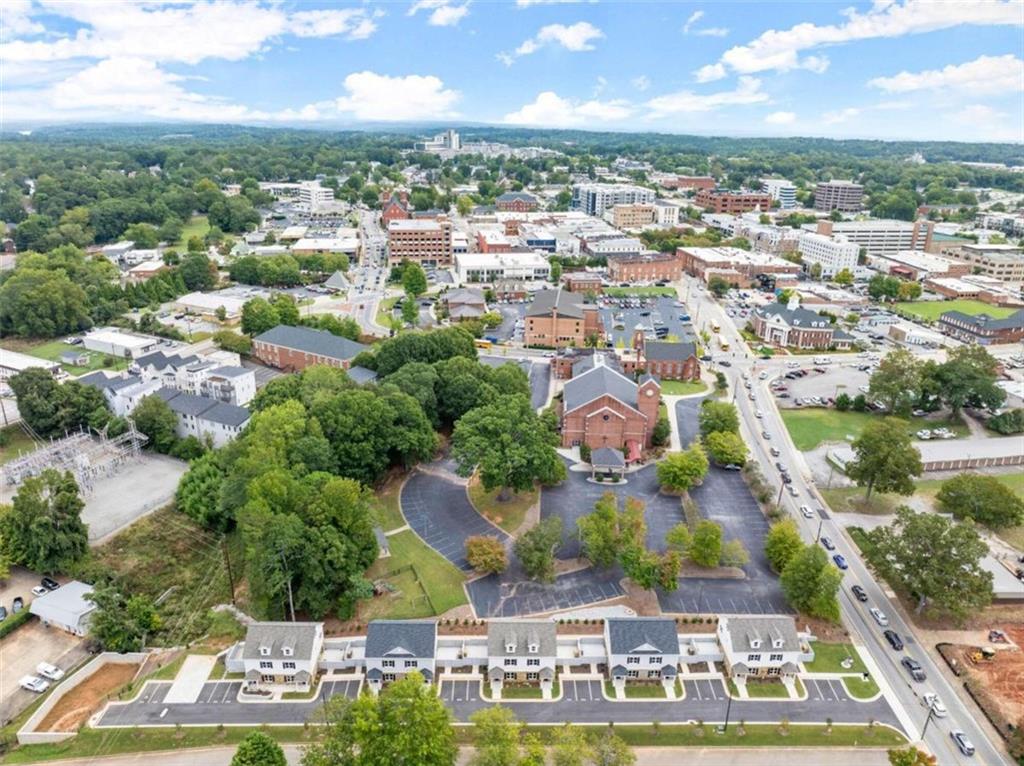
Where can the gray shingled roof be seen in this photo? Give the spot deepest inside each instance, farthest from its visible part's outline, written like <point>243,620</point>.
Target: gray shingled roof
<point>229,371</point>
<point>160,360</point>
<point>798,317</point>
<point>598,381</point>
<point>510,196</point>
<point>300,636</point>
<point>664,351</point>
<point>568,304</point>
<point>464,295</point>
<point>203,407</point>
<point>227,414</point>
<point>520,633</point>
<point>311,341</point>
<point>402,638</point>
<point>337,281</point>
<point>607,457</point>
<point>741,630</point>
<point>362,374</point>
<point>642,635</point>
<point>986,321</point>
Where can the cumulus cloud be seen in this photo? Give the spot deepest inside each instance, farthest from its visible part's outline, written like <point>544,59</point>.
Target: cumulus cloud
<point>551,110</point>
<point>443,13</point>
<point>984,75</point>
<point>710,73</point>
<point>747,91</point>
<point>17,20</point>
<point>781,118</point>
<point>377,97</point>
<point>838,116</point>
<point>576,38</point>
<point>781,50</point>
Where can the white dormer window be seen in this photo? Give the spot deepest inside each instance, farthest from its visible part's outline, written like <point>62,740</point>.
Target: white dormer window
<point>510,647</point>
<point>287,651</point>
<point>264,651</point>
<point>777,643</point>
<point>755,643</point>
<point>533,648</point>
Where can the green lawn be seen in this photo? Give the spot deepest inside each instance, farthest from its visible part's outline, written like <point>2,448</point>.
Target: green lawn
<point>389,511</point>
<point>15,441</point>
<point>827,659</point>
<point>508,514</point>
<point>637,691</point>
<point>932,310</point>
<point>197,227</point>
<point>438,579</point>
<point>860,689</point>
<point>682,388</point>
<point>759,735</point>
<point>97,361</point>
<point>767,689</point>
<point>526,692</point>
<point>623,292</point>
<point>852,499</point>
<point>384,310</point>
<point>810,426</point>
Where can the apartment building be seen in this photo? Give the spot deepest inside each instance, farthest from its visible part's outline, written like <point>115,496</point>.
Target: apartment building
<point>395,648</point>
<point>761,646</point>
<point>844,196</point>
<point>558,318</point>
<point>427,242</point>
<point>717,201</point>
<point>686,182</point>
<point>645,267</point>
<point>295,348</point>
<point>521,652</point>
<point>1002,262</point>
<point>832,254</point>
<point>878,236</point>
<point>641,648</point>
<point>281,655</point>
<point>205,418</point>
<point>631,216</point>
<point>313,195</point>
<point>516,202</point>
<point>983,328</point>
<point>666,212</point>
<point>781,190</point>
<point>594,199</point>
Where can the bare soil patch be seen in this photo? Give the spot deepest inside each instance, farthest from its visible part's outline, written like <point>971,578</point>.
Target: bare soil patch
<point>75,707</point>
<point>1002,676</point>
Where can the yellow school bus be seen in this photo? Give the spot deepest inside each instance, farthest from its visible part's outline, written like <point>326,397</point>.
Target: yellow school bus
<point>481,343</point>
<point>723,344</point>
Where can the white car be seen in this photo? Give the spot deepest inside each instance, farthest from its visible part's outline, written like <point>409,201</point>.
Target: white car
<point>34,684</point>
<point>763,375</point>
<point>758,414</point>
<point>938,709</point>
<point>793,492</point>
<point>39,590</point>
<point>46,670</point>
<point>806,512</point>
<point>879,616</point>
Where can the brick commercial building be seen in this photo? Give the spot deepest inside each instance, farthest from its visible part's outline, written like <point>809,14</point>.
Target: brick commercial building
<point>738,267</point>
<point>295,348</point>
<point>687,182</point>
<point>631,216</point>
<point>493,241</point>
<point>732,202</point>
<point>423,241</point>
<point>601,407</point>
<point>582,282</point>
<point>645,267</point>
<point>982,328</point>
<point>663,359</point>
<point>791,326</point>
<point>394,207</point>
<point>559,318</point>
<point>1002,262</point>
<point>516,202</point>
<point>844,196</point>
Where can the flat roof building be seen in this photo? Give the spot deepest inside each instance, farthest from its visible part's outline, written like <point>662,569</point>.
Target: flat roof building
<point>594,199</point>
<point>522,264</point>
<point>844,196</point>
<point>420,240</point>
<point>878,236</point>
<point>110,340</point>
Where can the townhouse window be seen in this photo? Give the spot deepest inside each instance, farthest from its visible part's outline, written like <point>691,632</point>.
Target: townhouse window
<point>511,663</point>
<point>288,665</point>
<point>412,663</point>
<point>654,660</point>
<point>265,665</point>
<point>753,658</point>
<point>289,679</point>
<point>632,673</point>
<point>532,676</point>
<point>387,663</point>
<point>267,679</point>
<point>533,663</point>
<point>775,658</point>
<point>632,660</point>
<point>510,676</point>
<point>390,676</point>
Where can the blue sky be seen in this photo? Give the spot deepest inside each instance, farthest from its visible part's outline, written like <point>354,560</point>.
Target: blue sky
<point>927,69</point>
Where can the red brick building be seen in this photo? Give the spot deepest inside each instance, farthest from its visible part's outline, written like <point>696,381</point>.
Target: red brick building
<point>493,241</point>
<point>663,359</point>
<point>295,348</point>
<point>516,202</point>
<point>582,282</point>
<point>732,202</point>
<point>688,182</point>
<point>792,326</point>
<point>559,318</point>
<point>645,267</point>
<point>424,241</point>
<point>394,207</point>
<point>601,407</point>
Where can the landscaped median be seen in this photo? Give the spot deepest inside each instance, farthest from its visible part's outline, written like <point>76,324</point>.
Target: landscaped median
<point>509,513</point>
<point>829,659</point>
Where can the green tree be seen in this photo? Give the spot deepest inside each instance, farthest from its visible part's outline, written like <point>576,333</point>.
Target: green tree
<point>534,752</point>
<point>885,458</point>
<point>258,749</point>
<point>734,554</point>
<point>811,583</point>
<point>679,538</point>
<point>569,747</point>
<point>43,529</point>
<point>843,402</point>
<point>718,416</point>
<point>406,724</point>
<point>154,418</point>
<point>496,737</point>
<point>782,543</point>
<point>718,286</point>
<point>509,446</point>
<point>910,756</point>
<point>706,546</point>
<point>486,554</point>
<point>536,548</point>
<point>121,623</point>
<point>680,471</point>
<point>935,560</point>
<point>844,278</point>
<point>42,304</point>
<point>464,204</point>
<point>198,493</point>
<point>286,308</point>
<point>414,280</point>
<point>982,498</point>
<point>51,408</point>
<point>897,381</point>
<point>611,750</point>
<point>599,532</point>
<point>726,448</point>
<point>198,272</point>
<point>258,316</point>
<point>410,311</point>
<point>968,379</point>
<point>232,341</point>
<point>143,235</point>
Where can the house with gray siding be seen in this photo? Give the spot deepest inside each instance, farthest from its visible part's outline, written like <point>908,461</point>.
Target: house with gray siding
<point>395,648</point>
<point>281,655</point>
<point>521,651</point>
<point>641,649</point>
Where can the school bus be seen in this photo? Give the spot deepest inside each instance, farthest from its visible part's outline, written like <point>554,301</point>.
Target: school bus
<point>723,344</point>
<point>481,343</point>
<point>714,326</point>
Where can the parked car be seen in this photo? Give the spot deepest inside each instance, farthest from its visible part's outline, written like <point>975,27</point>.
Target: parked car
<point>17,605</point>
<point>46,670</point>
<point>763,375</point>
<point>732,467</point>
<point>894,640</point>
<point>725,363</point>
<point>775,451</point>
<point>806,512</point>
<point>932,701</point>
<point>829,545</point>
<point>859,593</point>
<point>39,590</point>
<point>960,739</point>
<point>914,668</point>
<point>879,616</point>
<point>49,584</point>
<point>34,684</point>
<point>3,613</point>
<point>840,561</point>
<point>786,478</point>
<point>758,414</point>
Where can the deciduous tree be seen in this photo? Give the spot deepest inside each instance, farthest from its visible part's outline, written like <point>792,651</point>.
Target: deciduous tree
<point>726,448</point>
<point>43,529</point>
<point>680,471</point>
<point>536,548</point>
<point>811,583</point>
<point>599,532</point>
<point>718,416</point>
<point>496,737</point>
<point>258,749</point>
<point>414,280</point>
<point>982,498</point>
<point>121,623</point>
<point>782,543</point>
<point>897,381</point>
<point>706,547</point>
<point>486,554</point>
<point>886,458</point>
<point>154,418</point>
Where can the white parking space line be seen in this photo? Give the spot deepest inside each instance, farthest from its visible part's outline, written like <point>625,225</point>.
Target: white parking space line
<point>697,687</point>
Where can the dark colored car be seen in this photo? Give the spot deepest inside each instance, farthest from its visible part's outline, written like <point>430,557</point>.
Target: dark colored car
<point>829,545</point>
<point>49,583</point>
<point>3,613</point>
<point>705,358</point>
<point>914,668</point>
<point>781,467</point>
<point>840,561</point>
<point>17,605</point>
<point>894,640</point>
<point>725,363</point>
<point>859,593</point>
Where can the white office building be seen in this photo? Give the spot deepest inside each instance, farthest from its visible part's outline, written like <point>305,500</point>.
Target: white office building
<point>833,254</point>
<point>594,199</point>
<point>491,267</point>
<point>781,190</point>
<point>877,236</point>
<point>312,194</point>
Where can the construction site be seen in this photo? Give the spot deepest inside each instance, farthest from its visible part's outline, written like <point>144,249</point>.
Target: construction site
<point>117,480</point>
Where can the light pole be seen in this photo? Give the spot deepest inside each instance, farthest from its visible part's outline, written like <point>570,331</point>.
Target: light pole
<point>928,720</point>
<point>817,535</point>
<point>778,500</point>
<point>728,709</point>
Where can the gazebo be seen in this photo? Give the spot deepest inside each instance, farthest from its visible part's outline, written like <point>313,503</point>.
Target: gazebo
<point>607,460</point>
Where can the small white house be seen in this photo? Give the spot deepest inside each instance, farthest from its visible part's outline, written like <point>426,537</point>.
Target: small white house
<point>641,649</point>
<point>282,654</point>
<point>521,651</point>
<point>395,648</point>
<point>762,646</point>
<point>68,608</point>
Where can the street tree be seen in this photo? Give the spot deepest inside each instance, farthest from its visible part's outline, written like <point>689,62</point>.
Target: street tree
<point>407,723</point>
<point>726,448</point>
<point>897,381</point>
<point>43,529</point>
<point>486,554</point>
<point>495,737</point>
<point>611,750</point>
<point>934,560</point>
<point>536,548</point>
<point>843,278</point>
<point>718,286</point>
<point>982,498</point>
<point>410,311</point>
<point>968,378</point>
<point>287,309</point>
<point>885,458</point>
<point>414,280</point>
<point>706,546</point>
<point>508,445</point>
<point>782,543</point>
<point>718,416</point>
<point>680,471</point>
<point>910,756</point>
<point>811,583</point>
<point>122,623</point>
<point>258,749</point>
<point>599,532</point>
<point>569,746</point>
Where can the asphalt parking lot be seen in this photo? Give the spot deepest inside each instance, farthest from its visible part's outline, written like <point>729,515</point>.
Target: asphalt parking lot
<point>513,595</point>
<point>837,379</point>
<point>510,314</point>
<point>659,307</point>
<point>263,373</point>
<point>702,689</point>
<point>827,690</point>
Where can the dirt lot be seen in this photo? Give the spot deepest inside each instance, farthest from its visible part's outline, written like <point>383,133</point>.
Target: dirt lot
<point>82,701</point>
<point>1003,677</point>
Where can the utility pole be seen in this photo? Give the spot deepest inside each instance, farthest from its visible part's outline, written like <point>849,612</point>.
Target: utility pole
<point>227,564</point>
<point>728,708</point>
<point>778,500</point>
<point>928,720</point>
<point>817,535</point>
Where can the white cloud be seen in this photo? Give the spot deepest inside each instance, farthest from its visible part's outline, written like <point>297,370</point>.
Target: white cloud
<point>443,13</point>
<point>748,91</point>
<point>694,18</point>
<point>352,23</point>
<point>17,21</point>
<point>641,83</point>
<point>378,97</point>
<point>985,123</point>
<point>551,110</point>
<point>984,75</point>
<point>712,32</point>
<point>531,3</point>
<point>576,38</point>
<point>707,31</point>
<point>600,86</point>
<point>710,73</point>
<point>781,50</point>
<point>781,118</point>
<point>838,116</point>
